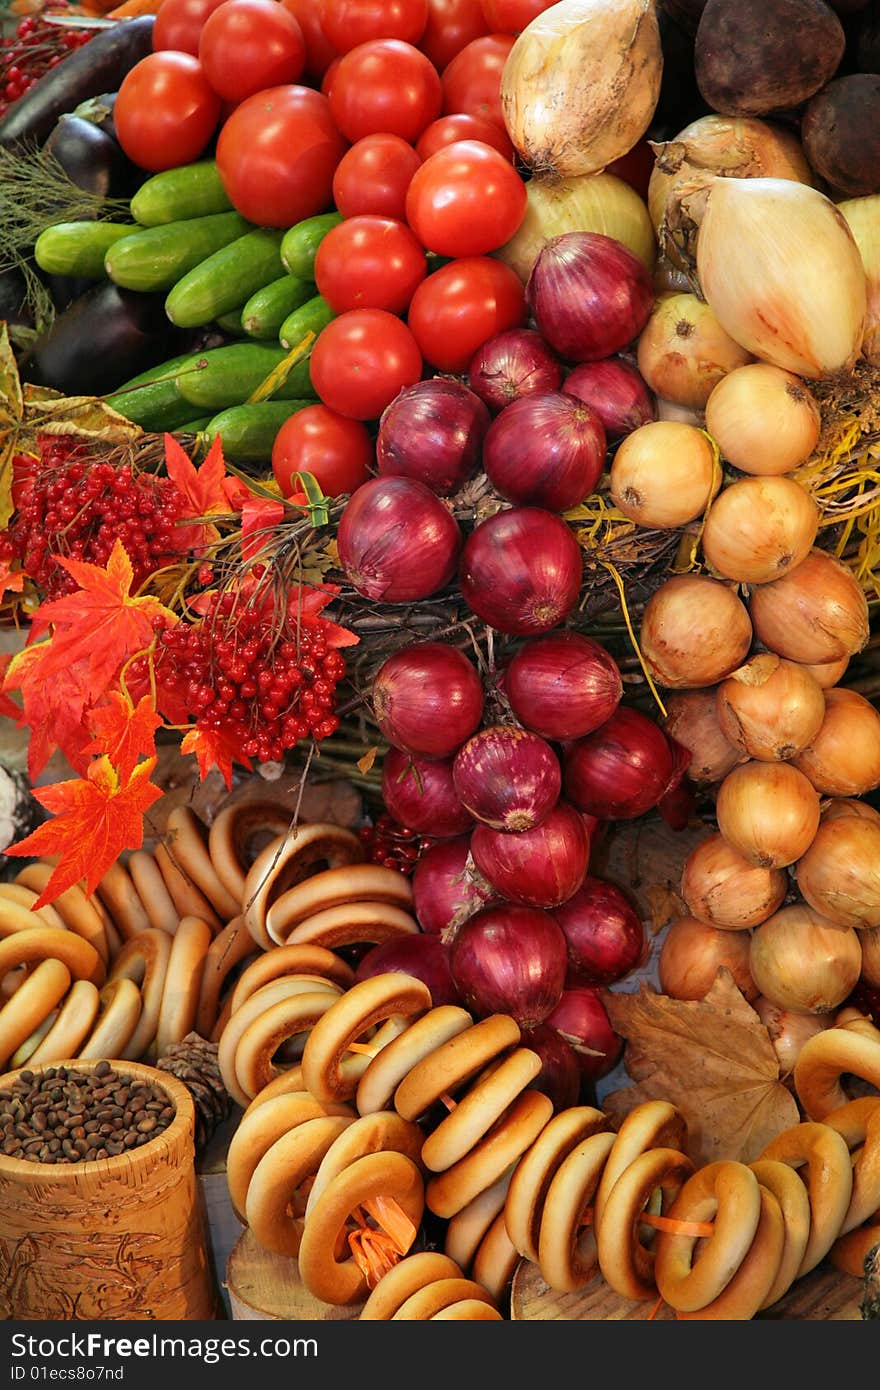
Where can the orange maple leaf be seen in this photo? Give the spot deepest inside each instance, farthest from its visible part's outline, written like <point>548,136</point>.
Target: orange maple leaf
<point>12,580</point>
<point>101,621</point>
<point>8,707</point>
<point>213,749</point>
<point>202,488</point>
<point>124,731</point>
<point>53,708</point>
<point>96,817</point>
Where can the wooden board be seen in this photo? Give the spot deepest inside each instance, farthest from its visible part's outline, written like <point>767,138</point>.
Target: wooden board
<point>823,1295</point>
<point>261,1285</point>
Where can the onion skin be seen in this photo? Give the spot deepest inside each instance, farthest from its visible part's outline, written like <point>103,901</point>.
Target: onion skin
<point>421,955</point>
<point>510,960</point>
<point>764,420</point>
<point>815,614</point>
<point>447,887</point>
<point>563,686</point>
<point>801,961</point>
<point>621,770</point>
<point>828,673</point>
<point>589,295</point>
<point>616,392</point>
<point>726,891</point>
<point>664,474</point>
<point>511,365</point>
<point>759,529</point>
<point>507,777</point>
<point>788,1031</point>
<point>542,867</point>
<point>844,757</point>
<point>397,542</point>
<point>521,571</point>
<point>869,940</point>
<point>432,432</point>
<point>769,812</point>
<point>839,875</point>
<point>772,718</point>
<point>420,793</point>
<point>692,953</point>
<point>605,935</point>
<point>694,632</point>
<point>692,720</point>
<point>427,699</point>
<point>582,1020</point>
<point>683,352</point>
<point>848,806</point>
<point>545,450</point>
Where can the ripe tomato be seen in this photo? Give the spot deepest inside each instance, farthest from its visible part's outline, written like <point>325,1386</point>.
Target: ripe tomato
<point>385,86</point>
<point>462,126</point>
<point>166,111</point>
<point>319,50</point>
<point>178,24</point>
<point>350,22</point>
<point>336,450</point>
<point>455,310</point>
<point>373,176</point>
<point>248,45</point>
<point>472,81</point>
<point>451,25</point>
<point>369,263</point>
<point>277,154</point>
<point>361,360</point>
<point>512,16</point>
<point>465,200</point>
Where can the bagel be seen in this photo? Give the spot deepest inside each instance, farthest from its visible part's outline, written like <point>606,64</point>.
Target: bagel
<point>119,1012</point>
<point>389,1067</point>
<point>259,1129</point>
<point>24,895</point>
<point>144,960</point>
<point>290,960</point>
<point>71,1026</point>
<point>274,1198</point>
<point>289,859</point>
<point>119,896</point>
<point>454,1063</point>
<point>506,1141</point>
<point>748,1288</point>
<point>369,1134</point>
<point>822,1061</point>
<point>496,1260</point>
<point>791,1194</point>
<point>188,836</point>
<point>485,1102</point>
<point>859,1125</point>
<point>627,1264</point>
<point>228,949</point>
<point>337,887</point>
<point>48,943</point>
<point>829,1181</point>
<point>26,1049</point>
<point>467,1229</point>
<point>187,897</point>
<point>354,923</point>
<point>536,1169</point>
<point>728,1194</point>
<point>849,1252</point>
<point>183,979</point>
<point>426,1302</point>
<point>393,997</point>
<point>408,1275</point>
<point>655,1124</point>
<point>32,1002</point>
<point>318,994</point>
<point>152,890</point>
<point>233,831</point>
<point>566,1247</point>
<point>467,1310</point>
<point>284,1084</point>
<point>77,912</point>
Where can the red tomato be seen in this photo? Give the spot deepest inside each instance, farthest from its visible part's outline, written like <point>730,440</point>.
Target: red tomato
<point>460,306</point>
<point>472,81</point>
<point>462,126</point>
<point>166,111</point>
<point>330,73</point>
<point>369,263</point>
<point>373,176</point>
<point>386,86</point>
<point>178,24</point>
<point>336,450</point>
<point>277,154</point>
<point>319,50</point>
<point>465,200</point>
<point>248,45</point>
<point>512,16</point>
<point>361,360</point>
<point>350,22</point>
<point>451,25</point>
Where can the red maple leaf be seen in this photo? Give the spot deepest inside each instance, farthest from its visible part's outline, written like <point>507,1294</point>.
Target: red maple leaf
<point>96,817</point>
<point>12,580</point>
<point>8,707</point>
<point>202,489</point>
<point>259,517</point>
<point>54,707</point>
<point>213,748</point>
<point>236,493</point>
<point>101,621</point>
<point>305,605</point>
<point>124,731</point>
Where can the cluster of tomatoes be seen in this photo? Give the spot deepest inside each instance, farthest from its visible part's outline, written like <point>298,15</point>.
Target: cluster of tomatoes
<point>388,111</point>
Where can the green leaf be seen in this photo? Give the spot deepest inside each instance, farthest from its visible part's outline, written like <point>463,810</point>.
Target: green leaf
<point>318,503</point>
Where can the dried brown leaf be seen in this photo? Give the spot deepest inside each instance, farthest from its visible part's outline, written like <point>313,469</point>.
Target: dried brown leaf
<point>713,1058</point>
<point>664,905</point>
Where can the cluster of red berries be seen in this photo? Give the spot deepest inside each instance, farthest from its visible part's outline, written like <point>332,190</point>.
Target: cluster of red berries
<point>32,50</point>
<point>393,845</point>
<point>68,506</point>
<point>262,688</point>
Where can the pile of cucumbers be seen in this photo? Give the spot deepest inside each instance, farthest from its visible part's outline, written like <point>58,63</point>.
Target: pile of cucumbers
<point>256,284</point>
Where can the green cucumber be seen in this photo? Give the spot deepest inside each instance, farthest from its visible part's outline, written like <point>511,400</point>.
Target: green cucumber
<point>266,310</point>
<point>194,426</point>
<point>192,190</point>
<point>153,399</point>
<point>310,317</point>
<point>155,258</point>
<point>78,248</point>
<point>247,432</point>
<point>226,279</point>
<point>300,244</point>
<point>231,323</point>
<point>231,374</point>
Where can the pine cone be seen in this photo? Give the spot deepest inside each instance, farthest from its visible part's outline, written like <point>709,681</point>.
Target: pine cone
<point>870,1307</point>
<point>194,1062</point>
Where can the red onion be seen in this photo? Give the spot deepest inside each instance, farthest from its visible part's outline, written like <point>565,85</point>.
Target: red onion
<point>420,793</point>
<point>616,391</point>
<point>507,777</point>
<point>448,887</point>
<point>397,541</point>
<point>427,699</point>
<point>520,571</point>
<point>423,956</point>
<point>433,432</point>
<point>589,295</point>
<point>545,450</point>
<point>560,1074</point>
<point>563,686</point>
<point>511,365</point>
<point>535,868</point>
<point>582,1020</point>
<point>605,935</point>
<point>621,770</point>
<point>510,960</point>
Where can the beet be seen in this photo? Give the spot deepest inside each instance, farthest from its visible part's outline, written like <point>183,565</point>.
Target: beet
<point>840,133</point>
<point>755,57</point>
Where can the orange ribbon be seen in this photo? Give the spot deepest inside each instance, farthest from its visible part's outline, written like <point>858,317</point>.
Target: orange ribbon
<point>376,1251</point>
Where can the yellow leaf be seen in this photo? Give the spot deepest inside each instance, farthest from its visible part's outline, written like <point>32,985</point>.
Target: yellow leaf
<point>366,762</point>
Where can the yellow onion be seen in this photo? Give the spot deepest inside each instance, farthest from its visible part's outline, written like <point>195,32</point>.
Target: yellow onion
<point>815,614</point>
<point>664,474</point>
<point>870,943</point>
<point>779,265</point>
<point>852,1018</point>
<point>669,278</point>
<point>863,219</point>
<point>848,806</point>
<point>801,961</point>
<point>759,529</point>
<point>683,352</point>
<point>581,83</point>
<point>827,673</point>
<point>788,1031</point>
<point>769,812</point>
<point>839,875</point>
<point>770,709</point>
<point>590,203</point>
<point>725,890</point>
<point>843,759</point>
<point>679,414</point>
<point>692,720</point>
<point>694,631</point>
<point>691,955</point>
<point>765,421</point>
